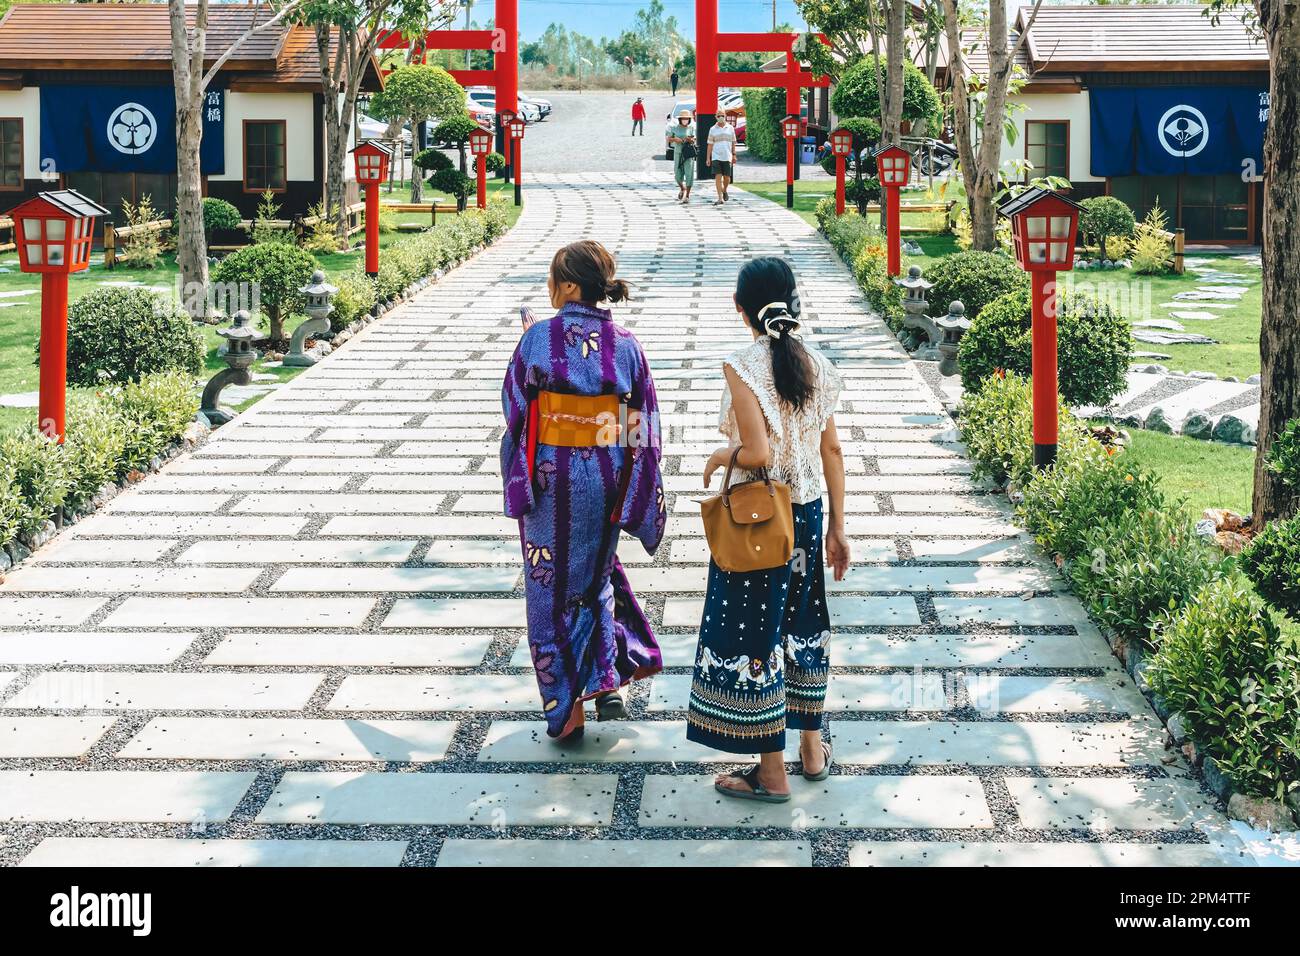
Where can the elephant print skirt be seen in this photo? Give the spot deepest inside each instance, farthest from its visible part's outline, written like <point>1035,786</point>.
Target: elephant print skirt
<point>762,659</point>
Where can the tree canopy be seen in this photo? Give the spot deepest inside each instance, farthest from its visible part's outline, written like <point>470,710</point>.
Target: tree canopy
<point>858,94</point>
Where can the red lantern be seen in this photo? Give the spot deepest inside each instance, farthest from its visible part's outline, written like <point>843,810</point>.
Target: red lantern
<point>1044,225</point>
<point>517,125</point>
<point>893,165</point>
<point>480,144</point>
<point>841,147</point>
<point>53,231</point>
<point>371,159</point>
<point>791,126</point>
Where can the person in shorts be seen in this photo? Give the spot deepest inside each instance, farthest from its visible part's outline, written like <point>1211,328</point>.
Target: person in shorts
<point>722,156</point>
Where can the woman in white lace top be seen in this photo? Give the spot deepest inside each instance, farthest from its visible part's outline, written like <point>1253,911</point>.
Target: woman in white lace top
<point>762,662</point>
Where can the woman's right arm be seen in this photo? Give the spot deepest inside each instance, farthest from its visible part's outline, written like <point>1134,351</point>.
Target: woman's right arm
<point>837,542</point>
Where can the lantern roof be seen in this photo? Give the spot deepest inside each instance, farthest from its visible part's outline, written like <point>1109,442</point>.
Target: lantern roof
<point>1031,197</point>
<point>67,201</point>
<point>892,149</point>
<point>374,144</point>
<point>318,285</point>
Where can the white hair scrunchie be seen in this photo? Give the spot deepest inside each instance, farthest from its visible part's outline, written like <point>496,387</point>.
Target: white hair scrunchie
<point>795,324</point>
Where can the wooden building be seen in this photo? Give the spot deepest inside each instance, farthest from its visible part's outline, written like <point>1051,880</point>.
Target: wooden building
<point>87,102</point>
<point>1149,103</point>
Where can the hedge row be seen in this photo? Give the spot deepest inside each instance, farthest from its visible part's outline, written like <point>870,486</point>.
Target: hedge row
<point>1135,560</point>
<point>764,111</point>
<point>111,433</point>
<point>861,245</point>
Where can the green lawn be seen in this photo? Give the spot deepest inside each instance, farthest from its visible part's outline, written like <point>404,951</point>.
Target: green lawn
<point>20,308</point>
<point>1205,474</point>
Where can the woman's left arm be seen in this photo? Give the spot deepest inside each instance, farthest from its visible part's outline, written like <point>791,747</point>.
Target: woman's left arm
<point>750,424</point>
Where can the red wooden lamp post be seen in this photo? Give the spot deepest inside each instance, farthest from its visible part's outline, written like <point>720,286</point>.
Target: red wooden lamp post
<point>504,119</point>
<point>791,126</point>
<point>372,158</point>
<point>53,231</point>
<point>841,146</point>
<point>480,144</point>
<point>517,148</point>
<point>1043,226</point>
<point>894,166</point>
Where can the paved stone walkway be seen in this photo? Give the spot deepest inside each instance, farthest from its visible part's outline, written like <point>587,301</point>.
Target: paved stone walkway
<point>303,643</point>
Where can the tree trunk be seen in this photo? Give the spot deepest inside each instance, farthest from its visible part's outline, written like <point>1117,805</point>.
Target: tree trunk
<point>896,54</point>
<point>1279,338</point>
<point>188,47</point>
<point>417,177</point>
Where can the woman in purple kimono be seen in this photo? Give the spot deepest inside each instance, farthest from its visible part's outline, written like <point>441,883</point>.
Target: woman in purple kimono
<point>580,461</point>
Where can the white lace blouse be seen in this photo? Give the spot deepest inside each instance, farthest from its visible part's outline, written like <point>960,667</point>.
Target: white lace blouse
<point>794,436</point>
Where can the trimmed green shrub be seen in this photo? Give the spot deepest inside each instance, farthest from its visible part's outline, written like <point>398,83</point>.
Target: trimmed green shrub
<point>276,271</point>
<point>432,160</point>
<point>848,233</point>
<point>976,278</point>
<point>1085,488</point>
<point>997,427</point>
<point>122,334</point>
<point>35,467</point>
<point>418,255</point>
<point>1284,455</point>
<point>866,133</point>
<point>1105,216</point>
<point>355,298</point>
<point>1272,562</point>
<point>93,450</point>
<point>764,111</point>
<point>154,412</point>
<point>1224,665</point>
<point>1139,567</point>
<point>1094,345</point>
<point>858,92</point>
<point>219,215</point>
<point>12,505</point>
<point>871,270</point>
<point>454,183</point>
<point>495,163</point>
<point>866,189</point>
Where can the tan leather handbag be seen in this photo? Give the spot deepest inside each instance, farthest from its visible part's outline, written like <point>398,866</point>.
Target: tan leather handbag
<point>749,527</point>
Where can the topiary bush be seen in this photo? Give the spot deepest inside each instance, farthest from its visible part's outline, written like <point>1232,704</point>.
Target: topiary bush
<point>432,160</point>
<point>1224,665</point>
<point>861,191</point>
<point>454,183</point>
<point>219,216</point>
<point>1094,344</point>
<point>1105,216</point>
<point>866,133</point>
<point>858,92</point>
<point>976,278</point>
<point>122,334</point>
<point>1135,568</point>
<point>1272,562</point>
<point>273,272</point>
<point>495,162</point>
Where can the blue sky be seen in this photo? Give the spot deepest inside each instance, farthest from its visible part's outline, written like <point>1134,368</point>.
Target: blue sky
<point>597,18</point>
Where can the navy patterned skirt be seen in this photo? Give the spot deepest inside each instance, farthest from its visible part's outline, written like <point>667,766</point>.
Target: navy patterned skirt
<point>762,660</point>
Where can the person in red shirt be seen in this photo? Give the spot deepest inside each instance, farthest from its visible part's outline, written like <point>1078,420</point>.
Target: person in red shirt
<point>638,117</point>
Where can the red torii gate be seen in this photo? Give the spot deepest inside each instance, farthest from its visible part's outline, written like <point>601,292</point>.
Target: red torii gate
<point>502,42</point>
<point>709,43</point>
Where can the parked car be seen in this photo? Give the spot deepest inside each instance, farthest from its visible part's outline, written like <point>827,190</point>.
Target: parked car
<point>543,106</point>
<point>486,99</point>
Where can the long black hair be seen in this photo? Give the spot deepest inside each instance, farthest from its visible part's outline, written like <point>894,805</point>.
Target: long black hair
<point>766,293</point>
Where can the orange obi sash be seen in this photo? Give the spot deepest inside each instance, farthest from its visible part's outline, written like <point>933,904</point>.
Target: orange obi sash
<point>576,421</point>
<point>571,421</point>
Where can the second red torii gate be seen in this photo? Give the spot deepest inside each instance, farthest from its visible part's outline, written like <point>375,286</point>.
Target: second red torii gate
<point>502,42</point>
<point>709,43</point>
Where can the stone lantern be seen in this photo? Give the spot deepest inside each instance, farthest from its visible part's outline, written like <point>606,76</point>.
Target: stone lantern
<point>240,356</point>
<point>318,301</point>
<point>953,326</point>
<point>916,310</point>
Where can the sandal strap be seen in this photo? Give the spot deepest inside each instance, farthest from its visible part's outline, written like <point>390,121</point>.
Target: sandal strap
<point>750,776</point>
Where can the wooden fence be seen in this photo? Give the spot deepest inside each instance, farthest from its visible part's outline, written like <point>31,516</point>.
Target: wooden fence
<point>7,243</point>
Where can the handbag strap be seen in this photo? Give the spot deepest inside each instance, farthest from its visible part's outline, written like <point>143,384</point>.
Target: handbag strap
<point>726,478</point>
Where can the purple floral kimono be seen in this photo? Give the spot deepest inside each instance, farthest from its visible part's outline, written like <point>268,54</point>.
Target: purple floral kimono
<point>582,647</point>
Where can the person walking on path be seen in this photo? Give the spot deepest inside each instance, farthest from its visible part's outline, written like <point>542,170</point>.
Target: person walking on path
<point>761,664</point>
<point>683,142</point>
<point>722,156</point>
<point>638,117</point>
<point>580,462</point>
<point>673,79</point>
